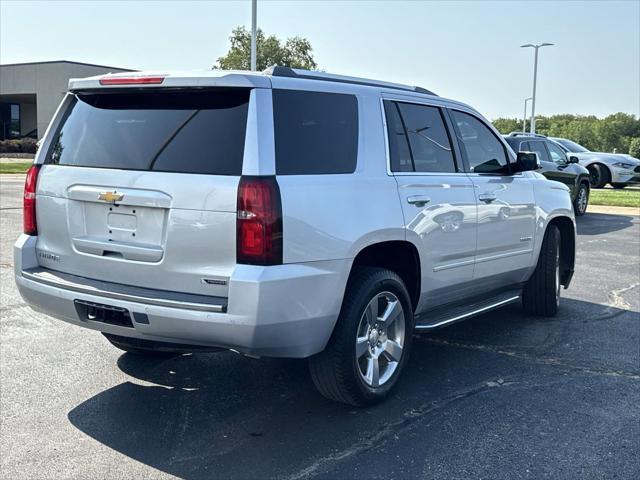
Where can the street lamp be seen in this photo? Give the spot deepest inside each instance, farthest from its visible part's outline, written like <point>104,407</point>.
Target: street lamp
<point>535,74</point>
<point>524,117</point>
<point>254,13</point>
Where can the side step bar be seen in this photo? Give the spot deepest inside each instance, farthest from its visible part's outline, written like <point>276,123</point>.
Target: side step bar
<point>444,316</point>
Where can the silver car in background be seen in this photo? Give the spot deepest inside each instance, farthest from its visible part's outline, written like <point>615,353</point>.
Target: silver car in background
<point>620,170</point>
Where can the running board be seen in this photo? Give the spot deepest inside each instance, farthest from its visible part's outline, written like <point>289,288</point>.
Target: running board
<point>444,316</point>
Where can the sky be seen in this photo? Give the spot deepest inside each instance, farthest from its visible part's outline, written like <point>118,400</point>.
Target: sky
<point>468,51</point>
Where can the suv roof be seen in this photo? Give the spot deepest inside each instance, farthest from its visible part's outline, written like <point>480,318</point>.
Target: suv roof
<point>525,134</point>
<point>239,78</point>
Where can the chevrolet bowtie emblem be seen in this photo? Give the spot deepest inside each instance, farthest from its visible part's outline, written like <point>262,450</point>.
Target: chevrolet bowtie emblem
<point>111,197</point>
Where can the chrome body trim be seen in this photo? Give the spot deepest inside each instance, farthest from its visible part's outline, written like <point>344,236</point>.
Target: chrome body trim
<point>67,282</point>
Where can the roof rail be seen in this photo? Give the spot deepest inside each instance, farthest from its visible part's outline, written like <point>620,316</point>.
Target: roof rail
<point>279,71</point>
<point>526,134</point>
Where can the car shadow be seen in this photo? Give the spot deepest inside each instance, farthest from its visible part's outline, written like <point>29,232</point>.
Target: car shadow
<point>598,223</point>
<point>223,415</point>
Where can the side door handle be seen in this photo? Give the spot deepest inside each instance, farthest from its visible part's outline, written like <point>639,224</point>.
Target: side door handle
<point>418,200</point>
<point>487,197</point>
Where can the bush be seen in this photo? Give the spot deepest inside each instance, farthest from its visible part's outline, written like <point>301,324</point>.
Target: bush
<point>28,145</point>
<point>634,147</point>
<point>24,145</point>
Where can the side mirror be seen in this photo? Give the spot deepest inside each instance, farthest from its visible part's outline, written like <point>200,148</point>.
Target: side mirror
<point>527,161</point>
<point>574,159</point>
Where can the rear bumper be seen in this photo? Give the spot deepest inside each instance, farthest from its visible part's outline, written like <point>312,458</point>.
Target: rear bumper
<point>280,311</point>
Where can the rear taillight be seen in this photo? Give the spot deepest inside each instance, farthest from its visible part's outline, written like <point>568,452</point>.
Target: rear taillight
<point>30,225</point>
<point>133,80</point>
<point>259,222</point>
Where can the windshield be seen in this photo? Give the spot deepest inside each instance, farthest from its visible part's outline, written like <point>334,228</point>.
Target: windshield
<point>573,147</point>
<point>183,132</point>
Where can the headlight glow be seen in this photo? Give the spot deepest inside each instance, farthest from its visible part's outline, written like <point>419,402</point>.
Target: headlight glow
<point>623,165</point>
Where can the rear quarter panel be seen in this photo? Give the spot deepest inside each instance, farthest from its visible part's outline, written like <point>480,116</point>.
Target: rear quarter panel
<point>330,217</point>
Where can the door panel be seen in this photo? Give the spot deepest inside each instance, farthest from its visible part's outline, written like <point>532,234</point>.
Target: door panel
<point>505,206</point>
<point>438,203</point>
<point>440,218</point>
<point>559,168</point>
<point>506,220</point>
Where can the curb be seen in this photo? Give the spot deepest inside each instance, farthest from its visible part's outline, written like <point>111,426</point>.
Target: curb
<point>635,211</point>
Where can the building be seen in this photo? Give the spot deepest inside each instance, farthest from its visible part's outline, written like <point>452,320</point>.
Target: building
<point>31,92</point>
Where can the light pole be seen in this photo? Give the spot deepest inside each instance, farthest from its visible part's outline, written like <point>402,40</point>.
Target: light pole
<point>254,13</point>
<point>524,117</point>
<point>535,74</point>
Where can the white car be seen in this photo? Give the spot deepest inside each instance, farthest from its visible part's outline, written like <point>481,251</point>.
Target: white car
<point>620,170</point>
<point>284,214</point>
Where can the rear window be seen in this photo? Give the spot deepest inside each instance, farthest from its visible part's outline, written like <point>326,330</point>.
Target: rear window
<point>514,143</point>
<point>183,132</point>
<point>315,132</point>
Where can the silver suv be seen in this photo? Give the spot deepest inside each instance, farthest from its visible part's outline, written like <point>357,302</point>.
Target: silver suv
<point>286,214</point>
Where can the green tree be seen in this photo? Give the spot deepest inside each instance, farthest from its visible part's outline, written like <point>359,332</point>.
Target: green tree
<point>508,125</point>
<point>634,147</point>
<point>615,132</point>
<point>295,52</point>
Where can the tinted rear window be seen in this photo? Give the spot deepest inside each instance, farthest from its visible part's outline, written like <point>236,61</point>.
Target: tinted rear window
<point>514,143</point>
<point>315,132</point>
<point>184,132</point>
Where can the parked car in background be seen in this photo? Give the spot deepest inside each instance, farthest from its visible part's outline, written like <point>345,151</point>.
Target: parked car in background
<point>556,165</point>
<point>619,170</point>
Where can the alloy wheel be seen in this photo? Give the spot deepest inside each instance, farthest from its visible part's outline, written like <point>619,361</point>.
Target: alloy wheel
<point>582,199</point>
<point>380,339</point>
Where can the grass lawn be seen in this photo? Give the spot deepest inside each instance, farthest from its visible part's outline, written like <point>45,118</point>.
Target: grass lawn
<point>18,167</point>
<point>615,198</point>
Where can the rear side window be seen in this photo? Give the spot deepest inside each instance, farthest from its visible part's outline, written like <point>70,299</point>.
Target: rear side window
<point>183,132</point>
<point>315,132</point>
<point>539,148</point>
<point>515,143</point>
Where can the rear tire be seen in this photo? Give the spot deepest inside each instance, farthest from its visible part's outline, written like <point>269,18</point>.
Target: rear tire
<point>599,175</point>
<point>581,202</point>
<point>143,348</point>
<point>541,294</point>
<point>371,341</point>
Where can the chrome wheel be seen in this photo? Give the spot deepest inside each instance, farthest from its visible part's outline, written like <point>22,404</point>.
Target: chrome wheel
<point>380,339</point>
<point>582,200</point>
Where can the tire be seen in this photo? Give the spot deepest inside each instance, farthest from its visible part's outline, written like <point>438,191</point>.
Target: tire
<point>143,348</point>
<point>581,201</point>
<point>345,373</point>
<point>619,186</point>
<point>541,294</point>
<point>599,175</point>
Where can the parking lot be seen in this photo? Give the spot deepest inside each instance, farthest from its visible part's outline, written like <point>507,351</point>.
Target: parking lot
<point>501,396</point>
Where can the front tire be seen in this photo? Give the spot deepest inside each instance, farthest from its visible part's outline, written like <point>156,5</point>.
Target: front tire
<point>582,200</point>
<point>541,294</point>
<point>371,341</point>
<point>599,175</point>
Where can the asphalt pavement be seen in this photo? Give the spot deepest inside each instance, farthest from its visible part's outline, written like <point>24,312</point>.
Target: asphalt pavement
<point>502,396</point>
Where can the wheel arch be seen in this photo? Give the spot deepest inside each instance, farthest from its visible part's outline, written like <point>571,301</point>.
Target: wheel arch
<point>600,164</point>
<point>399,256</point>
<point>567,230</point>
